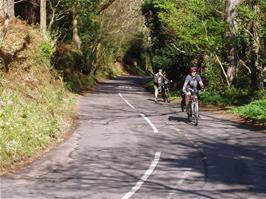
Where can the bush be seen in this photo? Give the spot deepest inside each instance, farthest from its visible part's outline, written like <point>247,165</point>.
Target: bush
<point>231,96</point>
<point>260,94</point>
<point>211,98</point>
<point>46,49</point>
<point>256,110</point>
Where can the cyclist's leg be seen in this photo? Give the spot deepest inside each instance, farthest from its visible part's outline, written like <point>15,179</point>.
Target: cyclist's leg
<point>168,95</point>
<point>198,105</point>
<point>183,102</point>
<point>155,92</point>
<point>197,109</point>
<point>187,102</point>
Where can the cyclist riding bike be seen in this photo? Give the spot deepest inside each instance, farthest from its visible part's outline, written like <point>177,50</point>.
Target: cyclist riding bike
<point>158,80</point>
<point>192,81</point>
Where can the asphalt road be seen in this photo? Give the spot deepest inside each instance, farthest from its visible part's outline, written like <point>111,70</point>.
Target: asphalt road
<point>127,146</point>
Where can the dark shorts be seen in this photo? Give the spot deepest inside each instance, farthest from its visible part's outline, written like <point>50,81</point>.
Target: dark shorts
<point>156,84</point>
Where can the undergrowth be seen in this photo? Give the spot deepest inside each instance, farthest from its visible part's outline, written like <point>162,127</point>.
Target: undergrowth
<point>35,106</point>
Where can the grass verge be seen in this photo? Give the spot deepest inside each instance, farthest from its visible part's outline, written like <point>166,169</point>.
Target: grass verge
<point>35,105</point>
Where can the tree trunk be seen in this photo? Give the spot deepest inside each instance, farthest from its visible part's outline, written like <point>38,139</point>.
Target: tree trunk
<point>232,50</point>
<point>75,37</point>
<point>43,17</point>
<point>6,11</point>
<point>32,13</point>
<point>7,7</point>
<point>256,67</point>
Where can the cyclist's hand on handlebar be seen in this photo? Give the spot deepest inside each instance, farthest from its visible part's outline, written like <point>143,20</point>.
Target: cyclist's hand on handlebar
<point>202,90</point>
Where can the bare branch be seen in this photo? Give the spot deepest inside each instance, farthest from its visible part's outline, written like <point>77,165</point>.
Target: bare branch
<point>221,65</point>
<point>53,14</point>
<point>244,64</point>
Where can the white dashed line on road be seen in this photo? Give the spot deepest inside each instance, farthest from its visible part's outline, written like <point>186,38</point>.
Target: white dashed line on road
<point>144,177</point>
<point>126,101</point>
<point>152,165</point>
<point>155,130</point>
<point>184,177</point>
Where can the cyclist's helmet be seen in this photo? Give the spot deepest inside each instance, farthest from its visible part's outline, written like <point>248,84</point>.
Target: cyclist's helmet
<point>160,70</point>
<point>193,69</point>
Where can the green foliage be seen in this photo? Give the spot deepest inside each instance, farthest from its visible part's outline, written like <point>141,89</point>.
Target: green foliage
<point>76,82</point>
<point>46,49</point>
<point>87,23</point>
<point>196,32</point>
<point>228,97</point>
<point>33,110</point>
<point>259,95</point>
<point>256,110</point>
<point>212,76</point>
<point>28,126</point>
<point>183,32</point>
<point>72,60</point>
<point>136,55</point>
<point>213,97</point>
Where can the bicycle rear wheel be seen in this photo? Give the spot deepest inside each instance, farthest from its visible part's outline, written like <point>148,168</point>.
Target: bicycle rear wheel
<point>167,95</point>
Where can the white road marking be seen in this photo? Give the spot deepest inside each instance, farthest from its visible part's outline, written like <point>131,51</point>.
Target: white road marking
<point>154,162</point>
<point>126,101</point>
<point>181,181</point>
<point>155,130</point>
<point>184,177</point>
<point>144,177</point>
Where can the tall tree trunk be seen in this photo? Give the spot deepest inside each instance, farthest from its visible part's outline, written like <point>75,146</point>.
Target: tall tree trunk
<point>11,8</point>
<point>75,37</point>
<point>32,12</point>
<point>256,67</point>
<point>232,51</point>
<point>6,11</point>
<point>7,8</point>
<point>43,17</point>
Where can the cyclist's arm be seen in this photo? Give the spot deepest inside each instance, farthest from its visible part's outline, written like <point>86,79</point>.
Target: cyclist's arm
<point>201,85</point>
<point>165,79</point>
<point>200,82</point>
<point>184,87</point>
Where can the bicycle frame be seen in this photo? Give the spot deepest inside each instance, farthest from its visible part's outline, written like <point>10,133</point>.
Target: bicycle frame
<point>166,91</point>
<point>194,108</point>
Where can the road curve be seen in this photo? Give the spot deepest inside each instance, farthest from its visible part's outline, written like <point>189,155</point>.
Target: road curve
<point>127,146</point>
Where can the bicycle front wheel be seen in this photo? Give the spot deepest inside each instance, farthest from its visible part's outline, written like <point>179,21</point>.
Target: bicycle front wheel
<point>195,113</point>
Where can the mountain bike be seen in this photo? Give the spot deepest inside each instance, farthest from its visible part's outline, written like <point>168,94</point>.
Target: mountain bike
<point>166,91</point>
<point>193,107</point>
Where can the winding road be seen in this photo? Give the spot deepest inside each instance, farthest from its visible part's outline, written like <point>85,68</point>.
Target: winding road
<point>127,146</point>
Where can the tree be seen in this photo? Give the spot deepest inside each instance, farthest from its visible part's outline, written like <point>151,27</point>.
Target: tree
<point>252,20</point>
<point>231,14</point>
<point>75,36</point>
<point>7,7</point>
<point>6,11</point>
<point>256,75</point>
<point>43,17</point>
